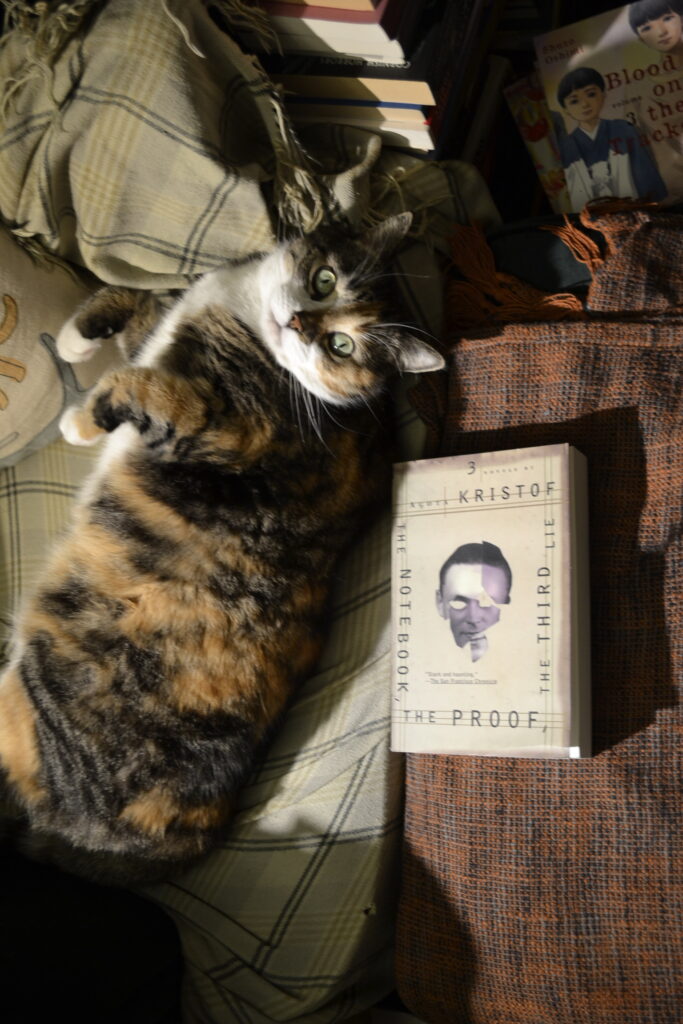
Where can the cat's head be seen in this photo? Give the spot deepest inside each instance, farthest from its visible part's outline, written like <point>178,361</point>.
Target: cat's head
<point>329,315</point>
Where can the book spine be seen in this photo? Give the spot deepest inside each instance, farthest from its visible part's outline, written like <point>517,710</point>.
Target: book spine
<point>356,5</point>
<point>425,59</point>
<point>303,101</point>
<point>484,119</point>
<point>285,8</point>
<point>367,90</point>
<point>458,98</point>
<point>387,53</point>
<point>397,19</point>
<point>392,20</point>
<point>456,33</point>
<point>375,119</point>
<point>312,12</point>
<point>394,134</point>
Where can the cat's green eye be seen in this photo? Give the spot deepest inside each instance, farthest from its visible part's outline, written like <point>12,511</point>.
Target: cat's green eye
<point>323,282</point>
<point>341,344</point>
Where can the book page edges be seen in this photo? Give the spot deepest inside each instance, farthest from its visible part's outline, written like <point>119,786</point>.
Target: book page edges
<point>581,722</point>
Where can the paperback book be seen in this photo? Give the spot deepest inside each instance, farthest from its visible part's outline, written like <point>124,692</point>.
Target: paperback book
<point>385,33</point>
<point>527,104</point>
<point>490,626</point>
<point>403,127</point>
<point>361,91</point>
<point>614,86</point>
<point>425,72</point>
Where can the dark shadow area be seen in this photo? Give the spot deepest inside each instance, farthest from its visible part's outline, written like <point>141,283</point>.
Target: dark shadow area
<point>81,952</point>
<point>632,675</point>
<point>436,963</point>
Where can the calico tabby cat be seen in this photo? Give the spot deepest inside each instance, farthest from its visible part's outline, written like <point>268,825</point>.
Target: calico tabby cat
<point>248,443</point>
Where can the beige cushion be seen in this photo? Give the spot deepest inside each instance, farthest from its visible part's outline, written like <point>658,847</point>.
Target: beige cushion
<point>35,385</point>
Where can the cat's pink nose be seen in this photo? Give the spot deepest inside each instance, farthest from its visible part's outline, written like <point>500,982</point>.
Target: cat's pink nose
<point>295,322</point>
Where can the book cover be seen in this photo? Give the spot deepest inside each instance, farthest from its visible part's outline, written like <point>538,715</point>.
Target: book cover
<point>527,104</point>
<point>356,5</point>
<point>490,629</point>
<point>614,86</point>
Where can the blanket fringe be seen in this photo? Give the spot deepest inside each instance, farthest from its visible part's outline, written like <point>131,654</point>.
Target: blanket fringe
<point>47,23</point>
<point>599,217</point>
<point>44,27</point>
<point>582,247</point>
<point>39,254</point>
<point>301,198</point>
<point>241,15</point>
<point>393,188</point>
<point>487,296</point>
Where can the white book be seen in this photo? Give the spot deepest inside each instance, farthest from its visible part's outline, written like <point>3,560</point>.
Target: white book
<point>490,604</point>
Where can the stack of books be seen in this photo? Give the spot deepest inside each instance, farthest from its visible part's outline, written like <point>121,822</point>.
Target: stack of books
<point>401,68</point>
<point>379,30</point>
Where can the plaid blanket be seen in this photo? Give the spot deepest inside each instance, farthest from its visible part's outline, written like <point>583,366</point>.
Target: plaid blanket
<point>141,143</point>
<point>291,919</point>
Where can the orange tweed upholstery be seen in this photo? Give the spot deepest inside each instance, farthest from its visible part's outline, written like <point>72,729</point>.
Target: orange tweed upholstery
<point>544,892</point>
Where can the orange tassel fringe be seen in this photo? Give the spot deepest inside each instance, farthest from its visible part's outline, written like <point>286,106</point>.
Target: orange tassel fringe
<point>487,296</point>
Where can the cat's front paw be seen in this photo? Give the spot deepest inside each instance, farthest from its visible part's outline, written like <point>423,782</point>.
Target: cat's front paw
<point>72,346</point>
<point>76,428</point>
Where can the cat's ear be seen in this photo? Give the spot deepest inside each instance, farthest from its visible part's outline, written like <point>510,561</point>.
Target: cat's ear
<point>384,238</point>
<point>416,356</point>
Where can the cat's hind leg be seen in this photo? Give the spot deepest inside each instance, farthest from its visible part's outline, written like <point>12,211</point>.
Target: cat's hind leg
<point>123,314</point>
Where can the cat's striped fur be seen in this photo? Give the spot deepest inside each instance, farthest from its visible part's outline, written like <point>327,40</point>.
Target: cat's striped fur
<point>188,598</point>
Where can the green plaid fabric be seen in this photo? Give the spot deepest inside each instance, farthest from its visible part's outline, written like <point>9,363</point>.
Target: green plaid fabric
<point>36,496</point>
<point>292,919</point>
<point>137,155</point>
<point>149,149</point>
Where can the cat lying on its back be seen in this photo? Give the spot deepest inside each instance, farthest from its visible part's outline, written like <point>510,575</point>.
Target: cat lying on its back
<point>249,441</point>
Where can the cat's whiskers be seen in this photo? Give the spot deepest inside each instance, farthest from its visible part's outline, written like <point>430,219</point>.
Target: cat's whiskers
<point>409,327</point>
<point>313,406</point>
<point>297,399</point>
<point>294,396</point>
<point>325,408</point>
<point>311,414</point>
<point>371,409</point>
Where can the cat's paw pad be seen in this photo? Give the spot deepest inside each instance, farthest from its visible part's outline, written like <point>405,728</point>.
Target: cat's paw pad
<point>71,426</point>
<point>72,346</point>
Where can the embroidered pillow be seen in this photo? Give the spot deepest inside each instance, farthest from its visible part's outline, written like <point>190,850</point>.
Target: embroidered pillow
<point>35,385</point>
